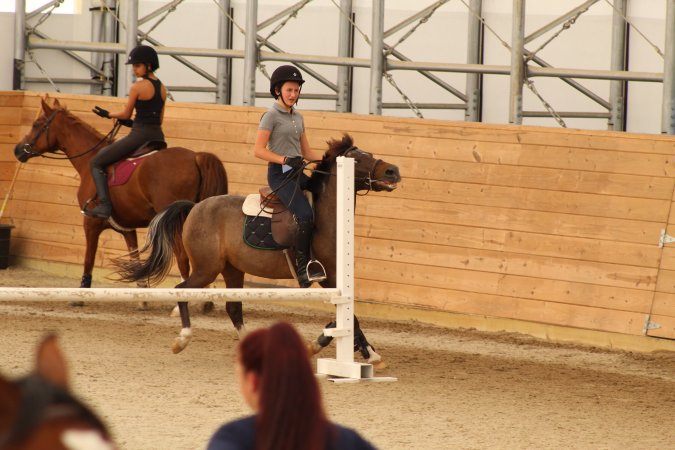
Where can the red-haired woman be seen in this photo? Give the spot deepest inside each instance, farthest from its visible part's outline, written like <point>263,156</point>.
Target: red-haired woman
<point>278,384</point>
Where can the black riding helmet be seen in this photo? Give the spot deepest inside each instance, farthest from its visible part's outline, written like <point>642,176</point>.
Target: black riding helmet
<point>283,74</point>
<point>144,54</point>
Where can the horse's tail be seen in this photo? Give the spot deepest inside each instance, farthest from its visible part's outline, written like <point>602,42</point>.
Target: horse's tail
<point>164,235</point>
<point>213,176</point>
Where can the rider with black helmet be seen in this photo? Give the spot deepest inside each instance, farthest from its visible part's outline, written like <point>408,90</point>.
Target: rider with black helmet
<point>147,96</point>
<point>281,140</point>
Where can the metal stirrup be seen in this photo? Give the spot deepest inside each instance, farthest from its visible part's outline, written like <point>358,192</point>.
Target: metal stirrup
<point>315,278</point>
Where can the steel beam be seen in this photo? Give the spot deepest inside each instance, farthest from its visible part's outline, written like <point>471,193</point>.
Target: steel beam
<point>617,88</point>
<point>130,44</point>
<point>517,63</point>
<point>560,20</point>
<point>474,55</point>
<point>345,50</point>
<point>224,65</point>
<point>377,58</point>
<point>668,108</point>
<point>250,52</point>
<point>19,44</point>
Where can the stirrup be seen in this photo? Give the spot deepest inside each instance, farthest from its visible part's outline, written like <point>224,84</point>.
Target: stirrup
<point>318,275</point>
<point>100,211</point>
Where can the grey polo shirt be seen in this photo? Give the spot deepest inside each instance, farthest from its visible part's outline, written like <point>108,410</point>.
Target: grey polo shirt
<point>286,129</point>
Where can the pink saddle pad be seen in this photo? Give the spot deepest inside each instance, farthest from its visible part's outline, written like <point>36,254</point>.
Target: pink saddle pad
<point>122,170</point>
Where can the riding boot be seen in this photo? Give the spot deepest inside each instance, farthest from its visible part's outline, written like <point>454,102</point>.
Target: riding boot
<point>104,208</point>
<point>308,270</point>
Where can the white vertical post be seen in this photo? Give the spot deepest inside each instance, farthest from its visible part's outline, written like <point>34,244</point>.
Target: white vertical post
<point>343,365</point>
<point>344,347</point>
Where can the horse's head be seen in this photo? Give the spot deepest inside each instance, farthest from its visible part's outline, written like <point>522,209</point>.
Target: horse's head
<point>369,173</point>
<point>39,139</point>
<point>39,412</point>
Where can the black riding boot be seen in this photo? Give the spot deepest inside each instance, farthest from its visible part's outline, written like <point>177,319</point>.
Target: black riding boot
<point>104,208</point>
<point>308,270</point>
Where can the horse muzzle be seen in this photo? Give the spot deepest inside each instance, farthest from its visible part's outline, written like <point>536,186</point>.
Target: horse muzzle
<point>388,181</point>
<point>23,152</point>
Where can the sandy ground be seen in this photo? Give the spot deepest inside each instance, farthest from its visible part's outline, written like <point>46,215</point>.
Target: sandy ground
<point>457,389</point>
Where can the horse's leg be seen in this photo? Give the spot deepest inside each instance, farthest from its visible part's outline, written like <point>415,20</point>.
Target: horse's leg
<point>362,345</point>
<point>131,239</point>
<point>234,279</point>
<point>194,281</point>
<point>92,230</point>
<point>185,335</point>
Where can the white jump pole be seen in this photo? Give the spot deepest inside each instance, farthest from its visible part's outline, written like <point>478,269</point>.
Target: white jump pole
<point>342,296</point>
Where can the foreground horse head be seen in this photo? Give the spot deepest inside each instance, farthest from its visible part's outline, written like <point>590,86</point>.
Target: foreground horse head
<point>211,233</point>
<point>39,139</point>
<point>39,412</point>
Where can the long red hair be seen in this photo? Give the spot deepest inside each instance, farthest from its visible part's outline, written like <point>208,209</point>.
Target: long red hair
<point>290,415</point>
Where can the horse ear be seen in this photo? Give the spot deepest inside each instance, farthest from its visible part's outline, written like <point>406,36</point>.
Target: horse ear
<point>45,107</point>
<point>57,104</point>
<point>50,362</point>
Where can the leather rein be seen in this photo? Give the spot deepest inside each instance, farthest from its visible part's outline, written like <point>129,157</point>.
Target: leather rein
<point>28,147</point>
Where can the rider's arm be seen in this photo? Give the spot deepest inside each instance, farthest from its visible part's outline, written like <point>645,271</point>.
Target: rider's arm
<point>129,107</point>
<point>307,152</point>
<point>261,151</point>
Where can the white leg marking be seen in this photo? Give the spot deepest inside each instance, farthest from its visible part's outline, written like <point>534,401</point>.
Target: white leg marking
<point>85,440</point>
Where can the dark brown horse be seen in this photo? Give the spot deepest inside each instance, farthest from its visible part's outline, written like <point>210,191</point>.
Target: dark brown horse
<point>163,177</point>
<point>212,236</point>
<point>38,411</point>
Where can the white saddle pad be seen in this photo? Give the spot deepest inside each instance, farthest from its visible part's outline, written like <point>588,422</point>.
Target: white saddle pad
<point>251,206</point>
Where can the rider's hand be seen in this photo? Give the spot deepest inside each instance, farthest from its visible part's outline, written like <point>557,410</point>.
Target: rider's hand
<point>296,162</point>
<point>101,112</point>
<point>126,122</point>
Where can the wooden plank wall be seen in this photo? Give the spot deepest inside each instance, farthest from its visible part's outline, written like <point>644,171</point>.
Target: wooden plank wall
<point>537,224</point>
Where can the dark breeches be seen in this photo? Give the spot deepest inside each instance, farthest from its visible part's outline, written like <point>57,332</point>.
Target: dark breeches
<point>122,148</point>
<point>289,190</point>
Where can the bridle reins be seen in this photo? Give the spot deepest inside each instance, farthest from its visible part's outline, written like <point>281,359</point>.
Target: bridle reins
<point>368,179</point>
<point>28,147</point>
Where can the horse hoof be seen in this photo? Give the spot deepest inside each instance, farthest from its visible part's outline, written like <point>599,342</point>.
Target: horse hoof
<point>379,365</point>
<point>176,347</point>
<point>207,307</point>
<point>175,312</point>
<point>76,303</point>
<point>241,333</point>
<point>313,348</point>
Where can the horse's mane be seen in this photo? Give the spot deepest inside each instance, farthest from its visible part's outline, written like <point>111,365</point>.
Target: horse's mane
<point>336,147</point>
<point>76,121</point>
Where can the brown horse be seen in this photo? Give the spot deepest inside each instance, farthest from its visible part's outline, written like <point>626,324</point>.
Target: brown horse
<point>163,177</point>
<point>211,233</point>
<point>39,412</point>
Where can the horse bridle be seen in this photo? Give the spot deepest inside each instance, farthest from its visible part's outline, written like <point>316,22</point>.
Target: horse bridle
<point>28,147</point>
<point>42,401</point>
<point>368,178</point>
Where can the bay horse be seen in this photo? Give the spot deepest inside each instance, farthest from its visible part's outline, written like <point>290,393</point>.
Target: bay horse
<point>211,233</point>
<point>39,412</point>
<point>174,173</point>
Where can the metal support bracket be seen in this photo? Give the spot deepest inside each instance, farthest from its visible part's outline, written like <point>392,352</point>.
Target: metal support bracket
<point>665,238</point>
<point>649,325</point>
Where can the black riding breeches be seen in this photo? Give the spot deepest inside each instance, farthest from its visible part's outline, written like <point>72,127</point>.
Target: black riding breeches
<point>289,190</point>
<point>118,150</point>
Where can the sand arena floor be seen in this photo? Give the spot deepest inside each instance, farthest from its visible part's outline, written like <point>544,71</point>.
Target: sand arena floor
<point>458,389</point>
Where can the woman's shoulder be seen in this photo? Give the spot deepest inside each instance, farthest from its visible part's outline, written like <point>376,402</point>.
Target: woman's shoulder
<point>348,439</point>
<point>236,435</point>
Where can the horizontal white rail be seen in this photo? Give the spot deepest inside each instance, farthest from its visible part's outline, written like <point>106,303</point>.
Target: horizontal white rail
<point>164,294</point>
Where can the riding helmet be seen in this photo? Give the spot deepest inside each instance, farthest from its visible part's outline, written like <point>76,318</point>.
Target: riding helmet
<point>144,54</point>
<point>283,74</point>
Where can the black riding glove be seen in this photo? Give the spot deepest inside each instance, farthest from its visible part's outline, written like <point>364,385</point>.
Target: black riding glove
<point>126,122</point>
<point>296,162</point>
<point>101,112</point>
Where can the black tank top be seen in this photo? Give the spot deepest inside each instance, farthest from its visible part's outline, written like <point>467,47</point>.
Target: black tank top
<point>150,111</point>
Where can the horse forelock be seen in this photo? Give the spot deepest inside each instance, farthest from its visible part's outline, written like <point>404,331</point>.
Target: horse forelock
<point>336,147</point>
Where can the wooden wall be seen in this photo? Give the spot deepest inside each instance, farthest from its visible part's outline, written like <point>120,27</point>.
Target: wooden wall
<point>552,226</point>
